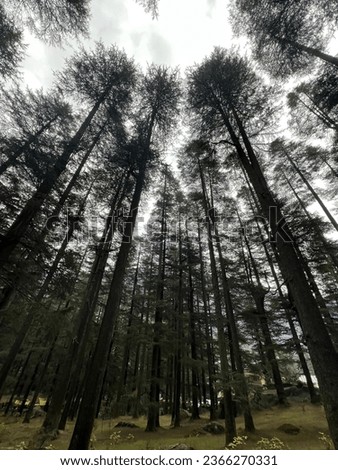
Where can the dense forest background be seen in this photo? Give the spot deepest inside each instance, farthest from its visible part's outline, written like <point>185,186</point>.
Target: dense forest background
<point>229,289</point>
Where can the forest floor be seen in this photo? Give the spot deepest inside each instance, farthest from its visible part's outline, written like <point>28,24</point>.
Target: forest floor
<point>309,418</point>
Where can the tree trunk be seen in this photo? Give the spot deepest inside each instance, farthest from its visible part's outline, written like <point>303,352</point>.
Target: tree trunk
<point>23,148</point>
<point>179,334</point>
<point>127,342</point>
<point>313,192</point>
<point>85,420</point>
<point>74,359</point>
<point>30,316</point>
<point>140,377</point>
<point>154,393</point>
<point>322,352</point>
<point>314,52</point>
<point>242,387</point>
<point>19,227</point>
<point>28,388</point>
<point>57,209</point>
<point>193,344</point>
<point>288,312</point>
<point>258,294</point>
<point>19,382</point>
<point>39,383</point>
<point>211,368</point>
<point>230,423</point>
<point>319,233</point>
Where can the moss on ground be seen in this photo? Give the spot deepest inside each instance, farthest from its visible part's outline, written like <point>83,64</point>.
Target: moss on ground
<point>309,418</point>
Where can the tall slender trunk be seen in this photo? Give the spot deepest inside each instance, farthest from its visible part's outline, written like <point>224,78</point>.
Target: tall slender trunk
<point>19,227</point>
<point>307,270</point>
<point>230,423</point>
<point>322,352</point>
<point>242,387</point>
<point>318,231</point>
<point>140,376</point>
<point>18,382</point>
<point>179,333</point>
<point>154,393</point>
<point>314,52</point>
<point>28,388</point>
<point>211,368</point>
<point>39,383</point>
<point>313,192</point>
<point>15,348</point>
<point>31,315</point>
<point>127,341</point>
<point>23,148</point>
<point>258,294</point>
<point>59,205</point>
<point>193,344</point>
<point>86,416</point>
<point>72,221</point>
<point>75,354</point>
<point>287,306</point>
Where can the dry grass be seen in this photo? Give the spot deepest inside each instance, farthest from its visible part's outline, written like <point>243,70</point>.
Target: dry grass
<point>309,418</point>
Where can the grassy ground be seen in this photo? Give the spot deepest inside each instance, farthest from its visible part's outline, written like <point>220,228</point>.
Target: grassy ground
<point>309,418</point>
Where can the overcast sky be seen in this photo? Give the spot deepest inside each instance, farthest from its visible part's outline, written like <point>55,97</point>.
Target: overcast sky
<point>185,32</point>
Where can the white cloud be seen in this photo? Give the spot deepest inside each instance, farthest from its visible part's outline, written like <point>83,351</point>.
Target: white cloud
<point>109,20</point>
<point>186,31</point>
<point>160,49</point>
<point>211,4</point>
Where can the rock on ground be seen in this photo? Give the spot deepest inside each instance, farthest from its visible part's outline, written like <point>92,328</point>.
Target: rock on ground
<point>125,424</point>
<point>214,428</point>
<point>289,428</point>
<point>184,414</point>
<point>180,446</point>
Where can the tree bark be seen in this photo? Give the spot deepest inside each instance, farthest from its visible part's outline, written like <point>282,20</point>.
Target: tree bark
<point>321,349</point>
<point>86,416</point>
<point>230,423</point>
<point>313,192</point>
<point>288,310</point>
<point>19,227</point>
<point>211,368</point>
<point>193,344</point>
<point>127,341</point>
<point>23,148</point>
<point>154,393</point>
<point>258,294</point>
<point>179,334</point>
<point>242,387</point>
<point>74,360</point>
<point>314,52</point>
<point>39,384</point>
<point>57,209</point>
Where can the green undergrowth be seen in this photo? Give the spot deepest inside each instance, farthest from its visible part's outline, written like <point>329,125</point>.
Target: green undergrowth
<point>309,418</point>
